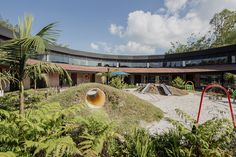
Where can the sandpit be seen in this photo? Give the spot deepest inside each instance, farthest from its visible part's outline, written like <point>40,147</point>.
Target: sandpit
<point>187,103</point>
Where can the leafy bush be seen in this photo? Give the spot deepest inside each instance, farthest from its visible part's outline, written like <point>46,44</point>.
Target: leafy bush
<point>43,131</point>
<point>117,82</point>
<point>211,139</point>
<point>10,101</point>
<point>229,79</point>
<point>138,143</point>
<point>51,130</point>
<point>178,82</point>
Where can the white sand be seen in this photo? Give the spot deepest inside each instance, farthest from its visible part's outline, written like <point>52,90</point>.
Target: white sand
<point>189,104</point>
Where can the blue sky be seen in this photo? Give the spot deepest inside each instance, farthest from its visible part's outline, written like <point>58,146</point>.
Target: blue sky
<point>120,27</point>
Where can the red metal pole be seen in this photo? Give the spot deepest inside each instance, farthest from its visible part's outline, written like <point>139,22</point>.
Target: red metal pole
<point>229,101</point>
<point>200,106</point>
<point>231,110</point>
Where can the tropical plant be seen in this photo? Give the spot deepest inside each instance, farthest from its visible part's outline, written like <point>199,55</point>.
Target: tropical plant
<point>213,138</point>
<point>93,135</point>
<point>6,23</point>
<point>5,79</point>
<point>178,82</point>
<point>23,46</point>
<point>40,70</point>
<point>229,78</point>
<point>43,131</point>
<point>117,82</point>
<point>137,143</point>
<point>105,76</point>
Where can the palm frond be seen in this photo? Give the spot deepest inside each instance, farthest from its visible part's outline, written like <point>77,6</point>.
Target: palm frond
<point>48,33</point>
<point>25,26</point>
<point>38,71</point>
<point>5,79</point>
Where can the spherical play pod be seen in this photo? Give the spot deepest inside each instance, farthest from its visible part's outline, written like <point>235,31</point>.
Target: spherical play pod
<point>95,98</point>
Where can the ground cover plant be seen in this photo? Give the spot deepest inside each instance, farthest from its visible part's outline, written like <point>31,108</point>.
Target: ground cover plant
<point>178,82</point>
<point>57,127</point>
<point>125,109</point>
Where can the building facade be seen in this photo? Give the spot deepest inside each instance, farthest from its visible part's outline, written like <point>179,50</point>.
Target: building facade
<point>202,67</point>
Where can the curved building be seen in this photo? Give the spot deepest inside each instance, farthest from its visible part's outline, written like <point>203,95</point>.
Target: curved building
<point>201,67</point>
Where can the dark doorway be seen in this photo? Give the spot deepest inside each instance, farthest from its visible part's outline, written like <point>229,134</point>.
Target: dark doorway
<point>127,79</point>
<point>151,79</point>
<point>14,86</point>
<point>137,79</point>
<point>189,77</point>
<point>74,79</point>
<point>93,78</point>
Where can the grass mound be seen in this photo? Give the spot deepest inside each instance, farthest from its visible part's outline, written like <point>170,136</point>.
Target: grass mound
<point>122,108</point>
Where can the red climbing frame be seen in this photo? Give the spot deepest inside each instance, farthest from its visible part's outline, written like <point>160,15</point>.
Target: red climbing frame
<point>228,95</point>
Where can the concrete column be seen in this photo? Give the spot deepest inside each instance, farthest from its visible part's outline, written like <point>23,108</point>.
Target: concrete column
<point>53,80</point>
<point>157,79</point>
<point>27,83</point>
<point>143,79</point>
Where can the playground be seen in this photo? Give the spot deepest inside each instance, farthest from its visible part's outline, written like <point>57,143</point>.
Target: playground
<point>212,107</point>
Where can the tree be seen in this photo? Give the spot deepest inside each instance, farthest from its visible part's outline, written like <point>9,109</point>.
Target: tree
<point>223,32</point>
<point>230,38</point>
<point>40,70</point>
<point>5,78</point>
<point>7,24</point>
<point>222,24</point>
<point>229,78</point>
<point>23,46</point>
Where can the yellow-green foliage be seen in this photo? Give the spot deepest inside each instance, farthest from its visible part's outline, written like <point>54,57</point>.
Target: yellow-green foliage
<point>122,108</point>
<point>214,138</point>
<point>7,154</point>
<point>42,131</point>
<point>117,82</point>
<point>178,82</point>
<point>52,130</point>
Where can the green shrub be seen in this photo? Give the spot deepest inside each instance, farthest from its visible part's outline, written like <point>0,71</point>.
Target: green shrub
<point>229,79</point>
<point>138,143</point>
<point>10,101</point>
<point>43,131</point>
<point>178,82</point>
<point>117,82</point>
<point>211,139</point>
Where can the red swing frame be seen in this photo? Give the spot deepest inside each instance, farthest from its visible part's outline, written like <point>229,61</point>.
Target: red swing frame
<point>229,101</point>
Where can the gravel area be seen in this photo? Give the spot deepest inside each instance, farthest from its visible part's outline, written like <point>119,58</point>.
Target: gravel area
<point>189,104</point>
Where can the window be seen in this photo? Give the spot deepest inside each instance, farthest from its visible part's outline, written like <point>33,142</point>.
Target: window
<point>233,59</point>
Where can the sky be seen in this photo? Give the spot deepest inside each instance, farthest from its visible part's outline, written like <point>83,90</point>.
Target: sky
<point>127,27</point>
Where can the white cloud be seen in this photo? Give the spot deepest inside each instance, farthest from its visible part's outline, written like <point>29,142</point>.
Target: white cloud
<point>129,48</point>
<point>146,32</point>
<point>94,46</point>
<point>175,5</point>
<point>116,30</point>
<point>159,30</point>
<point>134,47</point>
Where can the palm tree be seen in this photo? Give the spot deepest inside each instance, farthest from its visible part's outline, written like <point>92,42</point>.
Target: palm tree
<point>23,46</point>
<point>5,78</point>
<point>40,70</point>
